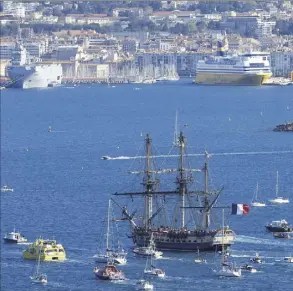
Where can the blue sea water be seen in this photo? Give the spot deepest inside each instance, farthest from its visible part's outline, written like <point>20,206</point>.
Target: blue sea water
<point>61,184</point>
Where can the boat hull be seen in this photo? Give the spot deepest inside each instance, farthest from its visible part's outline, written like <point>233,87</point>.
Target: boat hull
<point>231,79</point>
<point>10,241</point>
<point>35,76</point>
<point>278,229</point>
<point>203,241</point>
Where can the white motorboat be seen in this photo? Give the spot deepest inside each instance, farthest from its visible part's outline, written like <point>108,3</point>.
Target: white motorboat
<point>144,285</point>
<point>14,237</point>
<point>257,259</point>
<point>39,277</point>
<point>255,201</point>
<point>151,270</point>
<point>114,252</point>
<point>5,188</point>
<point>106,158</point>
<point>278,199</point>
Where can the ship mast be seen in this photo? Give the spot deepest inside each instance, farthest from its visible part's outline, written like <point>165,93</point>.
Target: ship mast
<point>148,182</point>
<point>182,179</point>
<point>206,209</point>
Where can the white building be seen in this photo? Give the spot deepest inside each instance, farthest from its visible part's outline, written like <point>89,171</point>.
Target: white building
<point>129,45</point>
<point>6,49</point>
<point>17,9</point>
<point>282,63</point>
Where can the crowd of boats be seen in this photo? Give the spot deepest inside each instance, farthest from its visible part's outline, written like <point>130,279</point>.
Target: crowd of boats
<point>150,232</point>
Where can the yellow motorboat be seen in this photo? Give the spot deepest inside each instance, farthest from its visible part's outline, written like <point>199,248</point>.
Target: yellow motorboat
<point>46,250</point>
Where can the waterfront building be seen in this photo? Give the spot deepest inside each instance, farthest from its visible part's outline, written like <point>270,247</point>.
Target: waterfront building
<point>6,49</point>
<point>17,9</point>
<point>282,63</point>
<point>129,45</point>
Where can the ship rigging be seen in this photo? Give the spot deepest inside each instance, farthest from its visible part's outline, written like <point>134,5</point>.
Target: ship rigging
<point>189,227</point>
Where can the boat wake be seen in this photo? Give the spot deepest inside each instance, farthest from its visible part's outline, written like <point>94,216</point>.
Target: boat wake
<point>196,155</point>
<point>256,240</point>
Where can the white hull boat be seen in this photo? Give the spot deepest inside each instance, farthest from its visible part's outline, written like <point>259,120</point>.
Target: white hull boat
<point>144,285</point>
<point>14,237</point>
<point>5,188</point>
<point>255,201</point>
<point>278,199</point>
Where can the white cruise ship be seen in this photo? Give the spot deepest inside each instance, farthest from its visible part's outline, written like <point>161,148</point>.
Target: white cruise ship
<point>27,75</point>
<point>251,68</point>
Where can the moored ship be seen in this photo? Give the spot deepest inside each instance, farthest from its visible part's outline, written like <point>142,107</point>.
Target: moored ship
<point>251,69</point>
<point>25,74</point>
<point>188,227</point>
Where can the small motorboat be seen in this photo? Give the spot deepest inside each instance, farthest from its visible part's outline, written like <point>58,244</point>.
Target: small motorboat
<point>5,188</point>
<point>144,285</point>
<point>285,235</point>
<point>106,158</point>
<point>109,272</point>
<point>248,268</point>
<point>49,129</point>
<point>279,226</point>
<point>256,259</point>
<point>14,237</point>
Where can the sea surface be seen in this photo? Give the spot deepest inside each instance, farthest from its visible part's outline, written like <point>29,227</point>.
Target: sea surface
<point>62,186</point>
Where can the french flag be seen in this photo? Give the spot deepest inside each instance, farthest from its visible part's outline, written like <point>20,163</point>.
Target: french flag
<point>240,209</point>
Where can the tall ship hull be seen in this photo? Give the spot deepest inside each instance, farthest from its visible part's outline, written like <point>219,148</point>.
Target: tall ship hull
<point>35,76</point>
<point>231,79</point>
<point>185,241</point>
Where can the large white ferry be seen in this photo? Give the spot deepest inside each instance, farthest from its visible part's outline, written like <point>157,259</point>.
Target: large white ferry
<point>26,75</point>
<point>251,68</point>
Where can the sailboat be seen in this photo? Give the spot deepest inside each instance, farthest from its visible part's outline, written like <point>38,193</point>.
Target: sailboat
<point>117,255</point>
<point>278,199</point>
<point>199,260</point>
<point>254,201</point>
<point>187,226</point>
<point>152,270</point>
<point>149,250</point>
<point>227,269</point>
<point>39,277</point>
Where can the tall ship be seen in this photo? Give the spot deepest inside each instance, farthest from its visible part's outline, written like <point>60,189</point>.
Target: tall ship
<point>182,219</point>
<point>252,68</point>
<point>27,74</point>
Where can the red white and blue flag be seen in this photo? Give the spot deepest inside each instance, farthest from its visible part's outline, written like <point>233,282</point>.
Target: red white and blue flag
<point>240,209</point>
